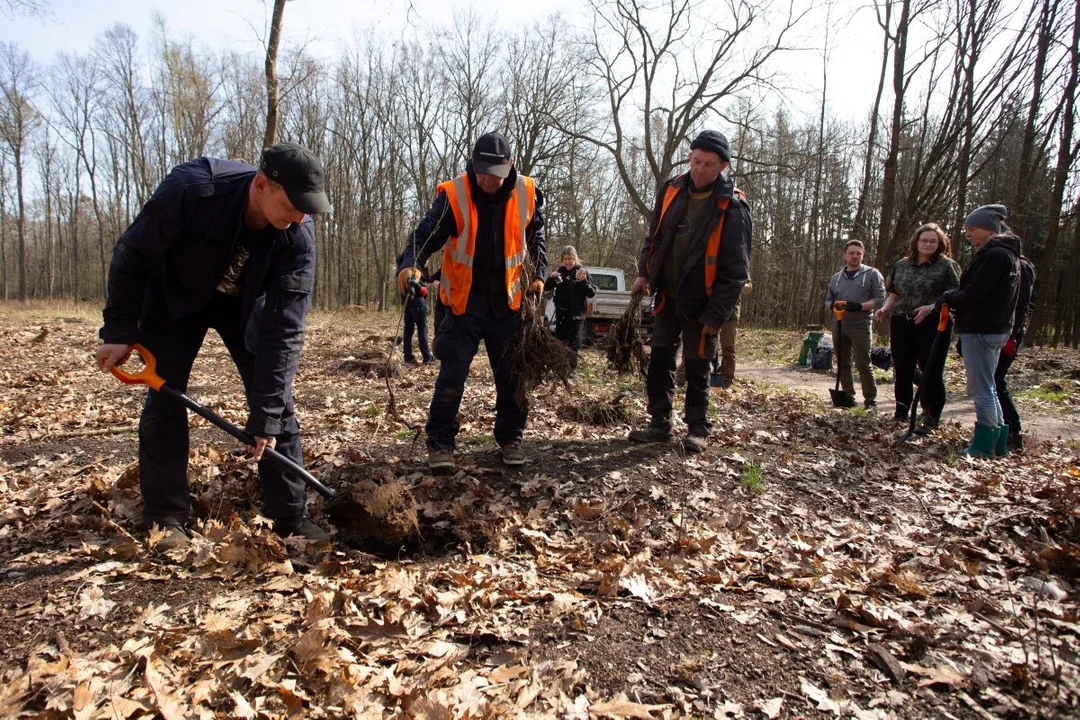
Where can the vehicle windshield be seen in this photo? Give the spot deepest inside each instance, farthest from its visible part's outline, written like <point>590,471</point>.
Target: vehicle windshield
<point>605,282</point>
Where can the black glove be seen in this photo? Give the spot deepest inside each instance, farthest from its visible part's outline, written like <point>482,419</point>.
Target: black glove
<point>853,307</point>
<point>959,348</point>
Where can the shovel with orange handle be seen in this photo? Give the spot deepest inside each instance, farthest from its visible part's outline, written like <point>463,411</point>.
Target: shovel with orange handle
<point>149,377</point>
<point>840,398</point>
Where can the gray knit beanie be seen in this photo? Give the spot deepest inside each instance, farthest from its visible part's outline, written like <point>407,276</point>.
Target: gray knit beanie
<point>988,217</point>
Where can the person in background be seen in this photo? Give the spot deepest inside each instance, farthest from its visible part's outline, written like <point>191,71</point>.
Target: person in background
<point>415,301</point>
<point>861,288</point>
<point>228,246</point>
<point>724,365</point>
<point>486,221</point>
<point>696,260</point>
<point>916,281</point>
<point>985,303</point>
<point>571,287</point>
<point>1015,439</point>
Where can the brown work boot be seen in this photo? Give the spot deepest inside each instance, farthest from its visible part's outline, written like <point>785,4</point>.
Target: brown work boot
<point>513,454</point>
<point>440,459</point>
<point>173,537</point>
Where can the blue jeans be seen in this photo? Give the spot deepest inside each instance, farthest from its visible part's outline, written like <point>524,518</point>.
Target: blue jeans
<point>980,361</point>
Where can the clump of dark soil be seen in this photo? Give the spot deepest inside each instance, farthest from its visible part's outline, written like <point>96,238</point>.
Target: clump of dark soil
<point>381,509</point>
<point>370,362</point>
<point>603,412</point>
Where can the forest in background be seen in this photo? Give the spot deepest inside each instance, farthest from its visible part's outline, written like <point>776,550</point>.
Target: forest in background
<point>976,103</point>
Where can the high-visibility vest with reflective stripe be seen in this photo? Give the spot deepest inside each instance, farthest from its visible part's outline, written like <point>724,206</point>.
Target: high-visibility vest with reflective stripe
<point>457,263</point>
<point>712,246</point>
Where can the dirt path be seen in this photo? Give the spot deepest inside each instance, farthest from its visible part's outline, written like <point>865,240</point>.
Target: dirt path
<point>1040,422</point>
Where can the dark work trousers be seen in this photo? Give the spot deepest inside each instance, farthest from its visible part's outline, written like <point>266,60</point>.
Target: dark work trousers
<point>163,427</point>
<point>570,330</point>
<point>1008,409</point>
<point>489,320</point>
<point>416,318</point>
<point>440,315</point>
<point>911,345</point>
<point>660,383</point>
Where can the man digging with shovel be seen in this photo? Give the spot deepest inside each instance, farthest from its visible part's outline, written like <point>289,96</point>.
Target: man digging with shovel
<point>221,245</point>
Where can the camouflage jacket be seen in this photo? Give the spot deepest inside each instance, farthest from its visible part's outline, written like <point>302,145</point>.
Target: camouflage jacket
<point>917,285</point>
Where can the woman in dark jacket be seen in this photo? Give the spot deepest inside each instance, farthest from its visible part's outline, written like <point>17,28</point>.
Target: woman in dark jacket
<point>984,305</point>
<point>571,288</point>
<point>915,281</point>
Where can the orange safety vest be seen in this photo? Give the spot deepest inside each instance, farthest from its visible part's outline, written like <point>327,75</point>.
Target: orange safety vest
<point>712,246</point>
<point>457,263</point>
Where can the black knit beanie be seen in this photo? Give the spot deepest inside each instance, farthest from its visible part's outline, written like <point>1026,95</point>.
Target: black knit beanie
<point>712,141</point>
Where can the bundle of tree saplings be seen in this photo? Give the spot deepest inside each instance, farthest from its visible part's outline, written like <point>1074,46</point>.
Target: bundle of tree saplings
<point>536,355</point>
<point>623,347</point>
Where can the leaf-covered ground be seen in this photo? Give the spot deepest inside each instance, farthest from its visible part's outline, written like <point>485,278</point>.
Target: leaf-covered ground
<point>800,567</point>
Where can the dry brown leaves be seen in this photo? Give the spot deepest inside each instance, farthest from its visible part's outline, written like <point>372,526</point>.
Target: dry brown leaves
<point>601,580</point>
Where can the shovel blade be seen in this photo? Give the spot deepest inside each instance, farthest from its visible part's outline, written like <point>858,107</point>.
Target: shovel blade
<point>841,398</point>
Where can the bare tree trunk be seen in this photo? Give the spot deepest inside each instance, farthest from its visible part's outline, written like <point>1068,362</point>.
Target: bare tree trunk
<point>271,73</point>
<point>888,183</point>
<point>1045,31</point>
<point>860,229</point>
<point>1048,297</point>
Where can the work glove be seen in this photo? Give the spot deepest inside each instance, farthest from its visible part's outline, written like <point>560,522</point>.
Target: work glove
<point>1009,350</point>
<point>536,288</point>
<point>852,307</point>
<point>403,279</point>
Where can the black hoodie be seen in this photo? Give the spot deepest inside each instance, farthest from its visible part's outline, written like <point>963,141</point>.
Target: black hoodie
<point>989,288</point>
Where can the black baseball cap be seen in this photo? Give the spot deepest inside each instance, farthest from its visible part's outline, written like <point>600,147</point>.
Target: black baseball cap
<point>300,172</point>
<point>491,155</point>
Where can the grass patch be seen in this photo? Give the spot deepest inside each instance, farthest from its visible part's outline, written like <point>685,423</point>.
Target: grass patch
<point>372,410</point>
<point>751,478</point>
<point>402,433</point>
<point>480,439</point>
<point>1052,393</point>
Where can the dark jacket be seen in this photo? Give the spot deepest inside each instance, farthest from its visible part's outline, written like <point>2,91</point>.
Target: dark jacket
<point>985,302</point>
<point>168,263</point>
<point>733,266</point>
<point>570,294</point>
<point>489,264</point>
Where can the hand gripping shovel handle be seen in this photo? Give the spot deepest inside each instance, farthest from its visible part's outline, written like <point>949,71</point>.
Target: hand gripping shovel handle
<point>148,376</point>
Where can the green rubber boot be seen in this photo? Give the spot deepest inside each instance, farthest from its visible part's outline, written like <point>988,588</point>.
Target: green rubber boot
<point>983,444</point>
<point>1001,444</point>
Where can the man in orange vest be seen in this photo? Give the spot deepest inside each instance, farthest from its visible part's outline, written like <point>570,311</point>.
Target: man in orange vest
<point>695,260</point>
<point>485,221</point>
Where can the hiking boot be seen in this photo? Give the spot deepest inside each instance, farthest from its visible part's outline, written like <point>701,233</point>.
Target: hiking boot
<point>695,443</point>
<point>440,458</point>
<point>649,434</point>
<point>175,538</point>
<point>300,526</point>
<point>870,405</point>
<point>513,454</point>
